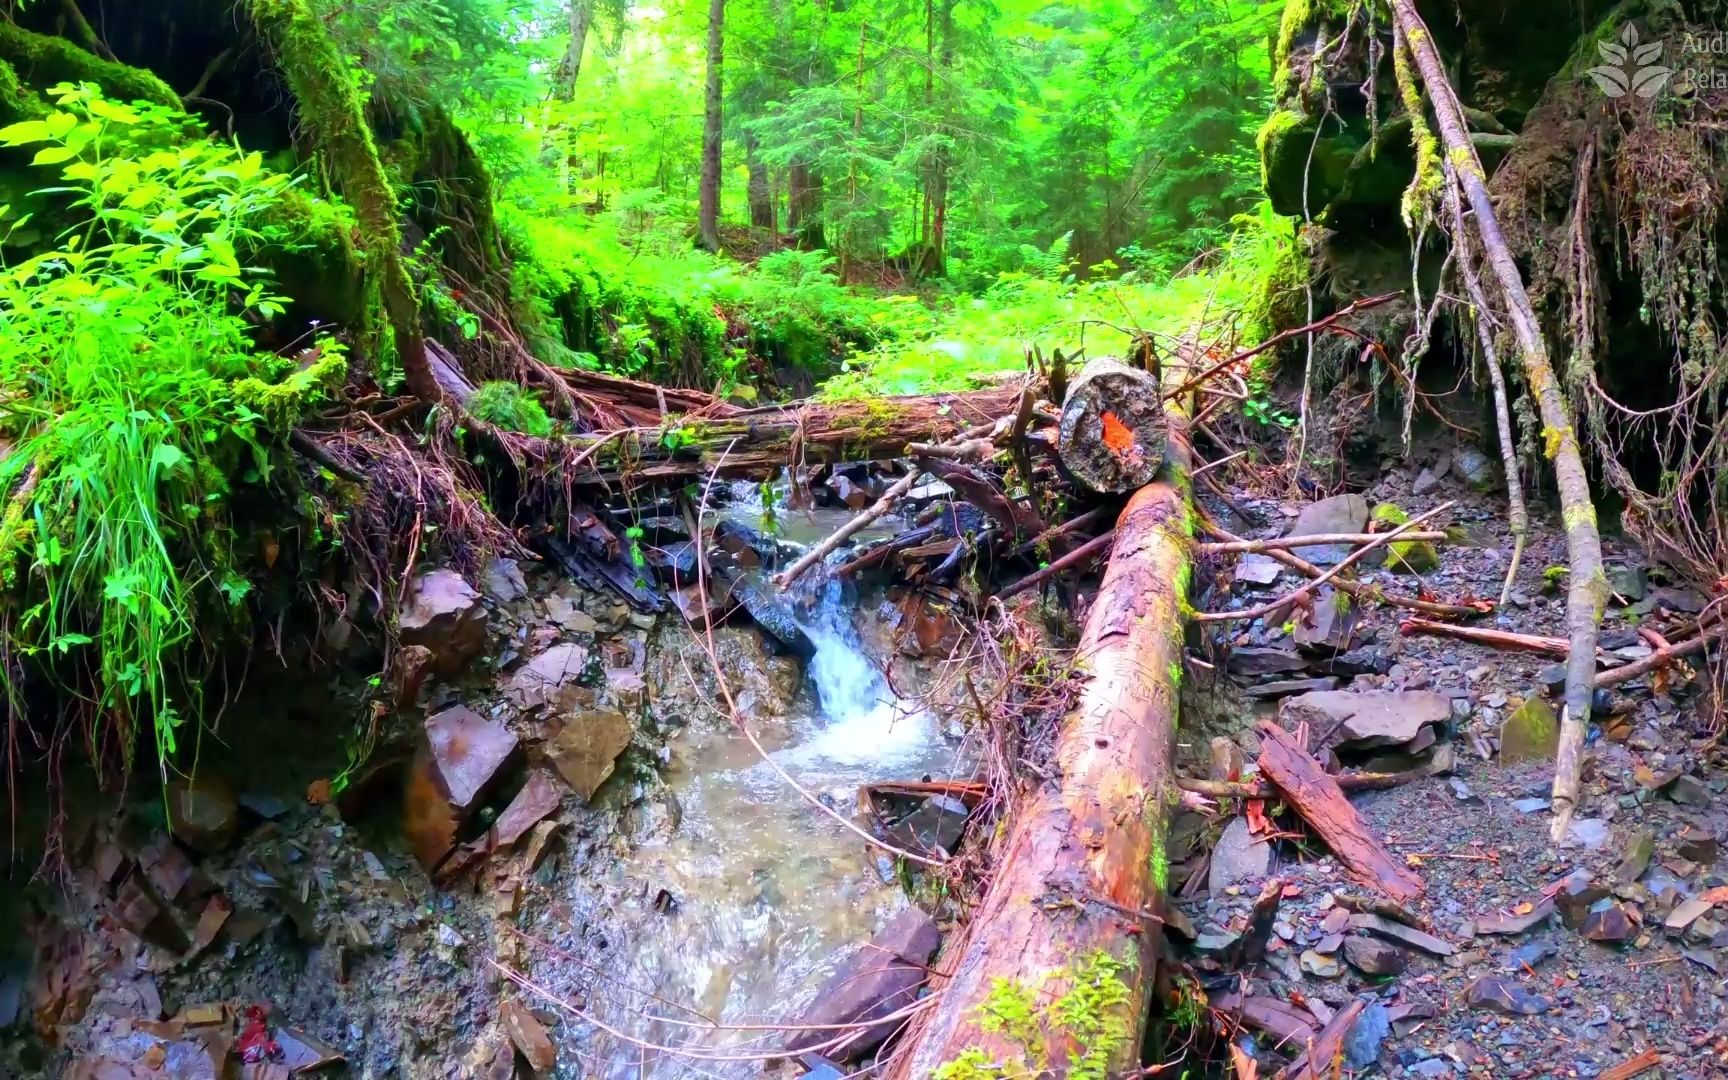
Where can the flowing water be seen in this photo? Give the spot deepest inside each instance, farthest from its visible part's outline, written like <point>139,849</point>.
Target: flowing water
<point>770,892</point>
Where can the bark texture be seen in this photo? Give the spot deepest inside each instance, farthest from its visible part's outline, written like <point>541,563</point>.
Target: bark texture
<point>1084,856</point>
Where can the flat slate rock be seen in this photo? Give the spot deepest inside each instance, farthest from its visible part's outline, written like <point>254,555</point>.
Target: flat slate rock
<point>1287,687</point>
<point>1338,514</point>
<point>1404,935</point>
<point>1258,570</point>
<point>1367,719</point>
<point>1264,662</point>
<point>1239,857</point>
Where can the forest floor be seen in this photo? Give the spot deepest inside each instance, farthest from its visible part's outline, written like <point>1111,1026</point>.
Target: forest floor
<point>1544,1001</point>
<point>320,918</point>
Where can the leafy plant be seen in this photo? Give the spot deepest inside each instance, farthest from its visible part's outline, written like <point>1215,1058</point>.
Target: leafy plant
<point>135,399</point>
<point>509,406</point>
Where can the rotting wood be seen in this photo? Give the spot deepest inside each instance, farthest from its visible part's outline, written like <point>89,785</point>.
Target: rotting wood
<point>1587,593</point>
<point>1321,1060</point>
<point>756,443</point>
<point>1349,782</point>
<point>1317,797</point>
<point>1113,428</point>
<point>1088,843</point>
<point>1498,639</point>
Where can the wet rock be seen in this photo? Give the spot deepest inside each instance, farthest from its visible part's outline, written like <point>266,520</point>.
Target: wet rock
<point>1686,913</point>
<point>852,495</point>
<point>529,1036</point>
<point>1531,733</point>
<point>430,823</point>
<point>675,563</point>
<point>1239,857</point>
<point>1531,954</point>
<point>585,750</point>
<point>1255,661</point>
<point>764,605</point>
<point>502,580</point>
<point>1690,791</point>
<point>1383,927</point>
<point>445,615</point>
<point>538,797</point>
<point>1373,957</point>
<point>1338,514</point>
<point>873,982</point>
<point>1329,944</point>
<point>749,548</point>
<point>1476,468</point>
<point>303,1052</point>
<point>1588,833</point>
<point>1287,687</point>
<point>1362,1043</point>
<point>1404,556</point>
<point>468,754</point>
<point>935,825</point>
<point>137,908</point>
<point>1426,481</point>
<point>1703,931</point>
<point>1363,660</point>
<point>550,680</point>
<point>1258,570</point>
<point>1639,848</point>
<point>1327,627</point>
<point>1521,918</point>
<point>1504,996</point>
<point>1628,582</point>
<point>203,812</point>
<point>1320,966</point>
<point>1607,922</point>
<point>1699,845</point>
<point>1365,720</point>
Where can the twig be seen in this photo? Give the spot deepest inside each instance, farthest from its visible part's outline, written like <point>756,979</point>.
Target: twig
<point>1234,789</point>
<point>1353,557</point>
<point>1078,557</point>
<point>1285,543</point>
<point>844,532</point>
<point>1280,338</point>
<point>1090,517</point>
<point>1499,639</point>
<point>1659,658</point>
<point>1356,589</point>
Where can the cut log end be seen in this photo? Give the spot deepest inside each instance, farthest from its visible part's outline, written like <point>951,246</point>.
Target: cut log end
<point>1113,432</point>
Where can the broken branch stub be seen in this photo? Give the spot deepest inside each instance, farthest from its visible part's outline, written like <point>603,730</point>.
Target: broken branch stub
<point>1113,429</point>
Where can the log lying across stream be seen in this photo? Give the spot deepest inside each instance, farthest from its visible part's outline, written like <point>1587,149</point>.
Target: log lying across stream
<point>1077,891</point>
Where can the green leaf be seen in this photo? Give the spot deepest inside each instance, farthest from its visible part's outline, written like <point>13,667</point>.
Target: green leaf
<point>26,132</point>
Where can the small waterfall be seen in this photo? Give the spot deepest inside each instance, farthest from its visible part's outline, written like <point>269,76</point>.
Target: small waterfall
<point>866,723</point>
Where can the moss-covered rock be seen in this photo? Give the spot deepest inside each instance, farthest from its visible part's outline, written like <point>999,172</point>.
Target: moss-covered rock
<point>1405,556</point>
<point>1531,733</point>
<point>1300,171</point>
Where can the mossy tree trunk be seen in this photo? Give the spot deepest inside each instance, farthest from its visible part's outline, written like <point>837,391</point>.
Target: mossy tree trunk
<point>1064,924</point>
<point>335,118</point>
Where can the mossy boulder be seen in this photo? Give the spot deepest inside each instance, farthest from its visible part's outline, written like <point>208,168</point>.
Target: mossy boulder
<point>1287,143</point>
<point>1405,556</point>
<point>1531,733</point>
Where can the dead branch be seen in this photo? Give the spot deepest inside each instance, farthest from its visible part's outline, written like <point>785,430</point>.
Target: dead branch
<point>1498,639</point>
<point>1343,564</point>
<point>1080,556</point>
<point>1286,543</point>
<point>843,533</point>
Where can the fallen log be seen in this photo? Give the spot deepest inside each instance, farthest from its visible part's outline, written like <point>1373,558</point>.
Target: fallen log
<point>747,443</point>
<point>1113,429</point>
<point>1323,805</point>
<point>1498,639</point>
<point>1442,763</point>
<point>1088,844</point>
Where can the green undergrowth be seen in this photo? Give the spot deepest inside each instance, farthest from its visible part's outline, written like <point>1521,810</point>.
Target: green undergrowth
<point>134,401</point>
<point>625,292</point>
<point>966,341</point>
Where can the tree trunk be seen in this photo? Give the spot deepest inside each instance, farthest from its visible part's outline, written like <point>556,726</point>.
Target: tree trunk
<point>1084,855</point>
<point>936,262</point>
<point>708,213</point>
<point>1113,427</point>
<point>569,68</point>
<point>335,118</point>
<point>760,197</point>
<point>804,206</point>
<point>1588,590</point>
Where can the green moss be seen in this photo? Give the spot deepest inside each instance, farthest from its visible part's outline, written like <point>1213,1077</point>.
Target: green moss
<point>42,61</point>
<point>1093,1014</point>
<point>283,403</point>
<point>507,405</point>
<point>17,102</point>
<point>1408,556</point>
